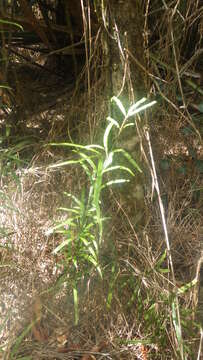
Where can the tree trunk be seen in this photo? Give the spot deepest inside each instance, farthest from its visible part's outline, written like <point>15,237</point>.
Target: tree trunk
<point>127,47</point>
<point>128,81</point>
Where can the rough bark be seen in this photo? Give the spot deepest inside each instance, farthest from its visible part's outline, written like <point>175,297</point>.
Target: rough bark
<point>126,52</point>
<point>127,26</point>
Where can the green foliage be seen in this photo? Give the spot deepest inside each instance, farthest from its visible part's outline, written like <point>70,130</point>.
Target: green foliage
<point>19,340</point>
<point>154,309</point>
<point>6,22</point>
<point>82,231</point>
<point>10,154</point>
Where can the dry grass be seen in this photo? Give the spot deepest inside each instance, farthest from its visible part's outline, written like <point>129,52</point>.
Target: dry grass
<point>128,313</point>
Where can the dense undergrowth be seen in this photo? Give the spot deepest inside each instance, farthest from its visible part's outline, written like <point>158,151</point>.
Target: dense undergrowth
<point>101,192</point>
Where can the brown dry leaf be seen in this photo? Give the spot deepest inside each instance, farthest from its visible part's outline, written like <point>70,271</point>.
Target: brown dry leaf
<point>37,309</point>
<point>72,347</point>
<point>39,334</point>
<point>62,339</point>
<point>95,349</point>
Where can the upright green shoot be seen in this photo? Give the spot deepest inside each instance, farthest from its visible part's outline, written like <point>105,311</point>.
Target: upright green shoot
<point>83,230</point>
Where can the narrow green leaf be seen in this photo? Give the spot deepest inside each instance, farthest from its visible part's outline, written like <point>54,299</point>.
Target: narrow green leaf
<point>136,111</point>
<point>128,125</point>
<point>161,260</point>
<point>135,106</point>
<point>119,104</point>
<point>93,147</point>
<point>90,248</point>
<point>61,246</point>
<point>119,167</point>
<point>129,158</point>
<point>92,260</point>
<point>11,23</point>
<point>164,271</point>
<point>176,324</point>
<point>98,182</point>
<point>73,197</point>
<point>108,161</point>
<point>75,262</point>
<point>59,226</point>
<point>5,87</point>
<point>106,136</point>
<point>109,118</point>
<point>117,181</point>
<point>95,246</point>
<point>195,86</point>
<point>78,146</point>
<point>87,171</point>
<point>186,287</point>
<point>64,163</point>
<point>82,208</point>
<point>20,339</point>
<point>88,160</point>
<point>74,211</point>
<point>96,195</point>
<point>89,225</point>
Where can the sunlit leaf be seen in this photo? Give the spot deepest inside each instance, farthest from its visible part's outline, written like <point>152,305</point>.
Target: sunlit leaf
<point>93,147</point>
<point>88,160</point>
<point>78,146</point>
<point>119,104</point>
<point>187,286</point>
<point>119,167</point>
<point>59,226</point>
<point>135,106</point>
<point>138,110</point>
<point>106,136</point>
<point>95,246</point>
<point>64,163</point>
<point>61,246</point>
<point>117,181</point>
<point>109,118</point>
<point>108,161</point>
<point>68,210</point>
